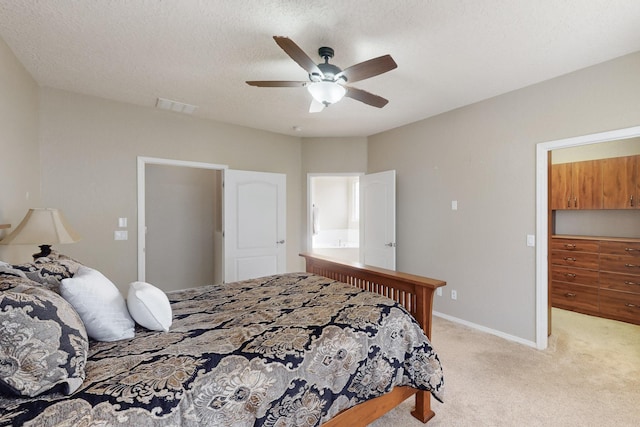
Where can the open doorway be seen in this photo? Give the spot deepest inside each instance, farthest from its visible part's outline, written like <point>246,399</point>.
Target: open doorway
<point>176,186</point>
<point>543,308</point>
<point>334,208</point>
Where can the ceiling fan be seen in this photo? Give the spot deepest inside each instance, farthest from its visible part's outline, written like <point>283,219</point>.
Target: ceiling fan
<point>327,82</point>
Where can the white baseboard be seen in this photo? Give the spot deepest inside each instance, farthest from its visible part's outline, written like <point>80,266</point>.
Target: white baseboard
<point>487,330</point>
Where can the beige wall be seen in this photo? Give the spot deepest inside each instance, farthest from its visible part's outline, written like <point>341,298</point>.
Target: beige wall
<point>603,150</point>
<point>89,148</point>
<point>183,220</point>
<point>19,152</point>
<point>483,156</point>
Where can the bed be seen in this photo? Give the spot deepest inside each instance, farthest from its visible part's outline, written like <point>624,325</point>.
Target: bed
<point>331,346</point>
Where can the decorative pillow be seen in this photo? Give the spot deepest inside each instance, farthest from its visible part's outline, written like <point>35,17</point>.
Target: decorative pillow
<point>50,272</point>
<point>13,279</point>
<point>149,306</point>
<point>100,305</point>
<point>43,343</point>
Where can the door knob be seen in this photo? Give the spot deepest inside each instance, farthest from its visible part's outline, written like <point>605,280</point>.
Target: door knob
<point>390,244</point>
<point>280,242</point>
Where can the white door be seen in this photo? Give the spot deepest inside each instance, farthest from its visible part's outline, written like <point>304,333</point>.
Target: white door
<point>254,224</point>
<point>378,219</point>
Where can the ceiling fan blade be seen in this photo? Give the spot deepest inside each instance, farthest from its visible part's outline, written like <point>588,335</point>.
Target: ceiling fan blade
<point>366,97</point>
<point>316,106</point>
<point>367,69</point>
<point>298,55</point>
<point>276,83</point>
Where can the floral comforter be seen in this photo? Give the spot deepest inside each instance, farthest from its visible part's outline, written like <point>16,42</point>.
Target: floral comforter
<point>287,350</point>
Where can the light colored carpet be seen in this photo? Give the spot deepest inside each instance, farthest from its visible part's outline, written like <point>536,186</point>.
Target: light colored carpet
<point>589,376</point>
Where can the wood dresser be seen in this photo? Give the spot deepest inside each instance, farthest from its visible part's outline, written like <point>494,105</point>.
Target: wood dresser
<point>596,275</point>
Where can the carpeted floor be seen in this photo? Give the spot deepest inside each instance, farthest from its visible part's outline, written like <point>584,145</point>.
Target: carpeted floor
<point>589,376</point>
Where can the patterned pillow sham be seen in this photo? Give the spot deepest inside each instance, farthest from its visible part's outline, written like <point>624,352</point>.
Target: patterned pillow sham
<point>49,272</point>
<point>13,279</point>
<point>43,343</point>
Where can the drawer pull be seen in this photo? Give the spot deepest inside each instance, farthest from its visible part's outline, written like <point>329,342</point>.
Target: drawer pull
<point>630,305</point>
<point>627,282</point>
<point>630,249</point>
<point>568,258</point>
<point>571,246</point>
<point>570,295</point>
<point>572,275</point>
<point>632,266</point>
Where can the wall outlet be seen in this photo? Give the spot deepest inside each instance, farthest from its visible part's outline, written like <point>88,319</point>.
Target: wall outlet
<point>120,235</point>
<point>454,295</point>
<point>439,292</point>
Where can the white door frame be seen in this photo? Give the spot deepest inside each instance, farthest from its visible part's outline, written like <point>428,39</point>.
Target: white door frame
<point>542,189</point>
<point>142,226</point>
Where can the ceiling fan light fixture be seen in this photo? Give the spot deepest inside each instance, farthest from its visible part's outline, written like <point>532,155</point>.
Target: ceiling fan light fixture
<point>327,92</point>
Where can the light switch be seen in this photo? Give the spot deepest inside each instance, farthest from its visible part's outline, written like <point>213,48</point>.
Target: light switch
<point>454,205</point>
<point>121,235</point>
<point>531,240</point>
<point>122,222</point>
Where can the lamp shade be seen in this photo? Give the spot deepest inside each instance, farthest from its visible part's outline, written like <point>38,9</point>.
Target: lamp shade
<point>42,226</point>
<point>327,92</point>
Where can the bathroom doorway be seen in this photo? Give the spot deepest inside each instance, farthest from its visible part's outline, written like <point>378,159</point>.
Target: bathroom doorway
<point>334,222</point>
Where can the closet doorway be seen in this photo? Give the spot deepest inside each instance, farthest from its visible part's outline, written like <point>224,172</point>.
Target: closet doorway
<point>182,220</point>
<point>543,230</point>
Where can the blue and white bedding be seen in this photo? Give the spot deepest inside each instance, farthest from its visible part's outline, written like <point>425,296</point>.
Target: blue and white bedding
<point>286,350</point>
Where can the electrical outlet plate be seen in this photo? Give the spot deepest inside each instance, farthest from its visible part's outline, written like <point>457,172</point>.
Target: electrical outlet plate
<point>439,292</point>
<point>454,295</point>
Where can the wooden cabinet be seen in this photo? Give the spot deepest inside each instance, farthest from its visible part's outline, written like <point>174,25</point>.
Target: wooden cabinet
<point>621,182</point>
<point>597,276</point>
<point>574,275</point>
<point>576,185</point>
<point>620,280</point>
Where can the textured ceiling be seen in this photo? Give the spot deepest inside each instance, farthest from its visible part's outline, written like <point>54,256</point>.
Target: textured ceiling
<point>450,53</point>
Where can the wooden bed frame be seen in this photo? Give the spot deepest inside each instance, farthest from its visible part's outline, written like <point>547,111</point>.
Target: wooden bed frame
<point>415,293</point>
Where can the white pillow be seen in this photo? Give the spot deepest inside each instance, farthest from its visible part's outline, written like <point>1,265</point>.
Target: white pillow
<point>99,304</point>
<point>149,306</point>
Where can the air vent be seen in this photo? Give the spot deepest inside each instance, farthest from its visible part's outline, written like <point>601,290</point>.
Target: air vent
<point>178,107</point>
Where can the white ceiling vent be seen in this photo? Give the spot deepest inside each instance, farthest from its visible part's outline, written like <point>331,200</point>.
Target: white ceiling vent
<point>178,107</point>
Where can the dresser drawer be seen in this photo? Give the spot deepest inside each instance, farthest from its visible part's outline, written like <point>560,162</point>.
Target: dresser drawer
<point>620,282</point>
<point>620,264</point>
<point>575,259</point>
<point>574,297</point>
<point>631,249</point>
<point>620,305</point>
<point>575,245</point>
<point>574,275</point>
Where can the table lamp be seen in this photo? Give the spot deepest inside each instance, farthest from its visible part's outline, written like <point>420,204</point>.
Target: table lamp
<point>43,227</point>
